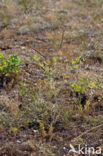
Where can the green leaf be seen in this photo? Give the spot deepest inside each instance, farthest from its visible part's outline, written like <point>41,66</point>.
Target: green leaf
<point>1,56</point>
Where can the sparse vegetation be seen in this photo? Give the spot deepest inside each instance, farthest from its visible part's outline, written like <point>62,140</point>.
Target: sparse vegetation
<point>54,96</point>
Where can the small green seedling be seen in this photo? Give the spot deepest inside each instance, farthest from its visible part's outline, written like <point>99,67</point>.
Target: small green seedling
<point>47,65</point>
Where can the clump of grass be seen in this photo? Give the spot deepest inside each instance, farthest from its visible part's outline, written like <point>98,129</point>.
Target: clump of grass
<point>39,4</point>
<point>5,18</point>
<point>26,4</point>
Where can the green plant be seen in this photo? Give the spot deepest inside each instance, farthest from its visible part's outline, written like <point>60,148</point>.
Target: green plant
<point>10,66</point>
<point>80,86</point>
<point>74,65</point>
<point>5,17</point>
<point>9,69</point>
<point>25,4</point>
<point>48,67</point>
<point>66,117</point>
<point>6,20</point>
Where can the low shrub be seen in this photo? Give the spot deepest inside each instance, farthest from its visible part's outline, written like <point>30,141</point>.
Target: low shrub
<point>9,69</point>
